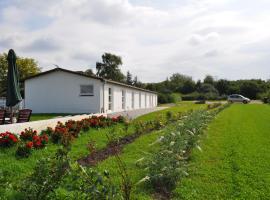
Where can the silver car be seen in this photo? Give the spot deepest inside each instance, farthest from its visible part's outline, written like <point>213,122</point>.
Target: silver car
<point>238,98</point>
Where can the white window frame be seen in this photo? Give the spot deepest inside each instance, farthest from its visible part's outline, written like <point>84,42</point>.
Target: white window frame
<point>123,99</point>
<point>110,98</point>
<point>85,93</point>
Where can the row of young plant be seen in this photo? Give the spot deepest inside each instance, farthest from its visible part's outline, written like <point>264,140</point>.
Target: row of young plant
<point>59,177</point>
<point>167,166</point>
<point>30,139</point>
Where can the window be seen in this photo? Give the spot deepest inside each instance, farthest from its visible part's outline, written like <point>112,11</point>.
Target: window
<point>110,98</point>
<point>145,99</point>
<point>86,90</point>
<point>132,100</point>
<point>123,99</point>
<point>140,100</point>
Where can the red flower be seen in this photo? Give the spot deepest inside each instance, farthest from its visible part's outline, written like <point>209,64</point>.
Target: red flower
<point>29,145</point>
<point>8,139</point>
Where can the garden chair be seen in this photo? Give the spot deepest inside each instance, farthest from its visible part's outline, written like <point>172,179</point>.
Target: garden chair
<point>24,115</point>
<point>2,116</point>
<point>8,117</point>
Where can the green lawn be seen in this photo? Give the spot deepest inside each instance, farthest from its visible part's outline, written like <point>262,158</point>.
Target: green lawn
<point>235,160</point>
<point>36,117</point>
<point>18,169</point>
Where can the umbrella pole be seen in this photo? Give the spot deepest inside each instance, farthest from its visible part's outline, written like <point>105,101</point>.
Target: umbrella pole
<point>11,115</point>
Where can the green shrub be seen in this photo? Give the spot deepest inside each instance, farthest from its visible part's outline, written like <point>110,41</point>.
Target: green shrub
<point>166,98</point>
<point>213,105</point>
<point>265,97</point>
<point>87,183</point>
<point>24,150</point>
<point>46,177</point>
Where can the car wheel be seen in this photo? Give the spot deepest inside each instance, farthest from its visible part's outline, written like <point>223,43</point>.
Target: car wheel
<point>244,102</point>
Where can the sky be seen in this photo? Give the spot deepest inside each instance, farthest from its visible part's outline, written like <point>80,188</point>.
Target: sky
<point>155,38</point>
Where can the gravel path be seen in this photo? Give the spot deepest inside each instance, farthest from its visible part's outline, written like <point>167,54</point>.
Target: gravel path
<point>132,114</point>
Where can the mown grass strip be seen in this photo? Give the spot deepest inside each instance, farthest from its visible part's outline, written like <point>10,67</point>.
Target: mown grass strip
<point>234,163</point>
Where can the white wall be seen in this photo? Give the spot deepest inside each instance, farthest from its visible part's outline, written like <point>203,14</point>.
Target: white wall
<point>59,92</point>
<point>117,98</point>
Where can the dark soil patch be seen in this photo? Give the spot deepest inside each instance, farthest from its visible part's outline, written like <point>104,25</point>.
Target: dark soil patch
<point>111,149</point>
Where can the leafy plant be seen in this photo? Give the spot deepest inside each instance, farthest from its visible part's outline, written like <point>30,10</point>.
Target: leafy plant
<point>46,177</point>
<point>28,134</point>
<point>8,139</point>
<point>24,150</point>
<point>169,164</point>
<point>88,184</point>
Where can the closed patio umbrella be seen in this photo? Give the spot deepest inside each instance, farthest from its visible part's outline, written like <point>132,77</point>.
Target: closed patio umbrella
<point>13,88</point>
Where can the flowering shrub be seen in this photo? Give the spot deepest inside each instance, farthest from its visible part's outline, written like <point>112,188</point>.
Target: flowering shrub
<point>47,131</point>
<point>74,127</point>
<point>24,151</point>
<point>40,141</point>
<point>8,139</point>
<point>29,145</point>
<point>28,134</point>
<point>63,134</point>
<point>59,131</point>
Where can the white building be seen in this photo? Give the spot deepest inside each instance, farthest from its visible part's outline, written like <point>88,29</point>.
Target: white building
<point>64,91</point>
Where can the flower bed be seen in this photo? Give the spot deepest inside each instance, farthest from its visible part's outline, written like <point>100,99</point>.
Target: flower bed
<point>8,139</point>
<point>63,133</point>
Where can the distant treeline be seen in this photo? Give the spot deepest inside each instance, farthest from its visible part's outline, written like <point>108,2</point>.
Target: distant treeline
<point>208,89</point>
<point>171,90</point>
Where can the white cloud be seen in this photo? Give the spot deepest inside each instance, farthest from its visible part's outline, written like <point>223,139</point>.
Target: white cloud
<point>195,37</point>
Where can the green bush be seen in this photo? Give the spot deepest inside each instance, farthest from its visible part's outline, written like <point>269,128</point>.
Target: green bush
<point>166,98</point>
<point>265,97</point>
<point>203,96</point>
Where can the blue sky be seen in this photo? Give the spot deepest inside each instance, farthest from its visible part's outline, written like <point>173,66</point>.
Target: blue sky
<point>226,38</point>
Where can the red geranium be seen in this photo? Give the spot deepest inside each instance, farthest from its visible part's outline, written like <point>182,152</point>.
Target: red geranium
<point>8,139</point>
<point>29,145</point>
<point>28,134</point>
<point>40,141</point>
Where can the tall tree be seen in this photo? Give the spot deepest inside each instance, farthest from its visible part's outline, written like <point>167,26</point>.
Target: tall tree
<point>222,86</point>
<point>109,68</point>
<point>129,78</point>
<point>182,83</point>
<point>26,66</point>
<point>135,81</point>
<point>209,79</point>
<point>89,72</point>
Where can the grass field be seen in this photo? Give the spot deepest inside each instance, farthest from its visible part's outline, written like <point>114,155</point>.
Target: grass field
<point>235,160</point>
<point>17,169</point>
<point>36,117</point>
